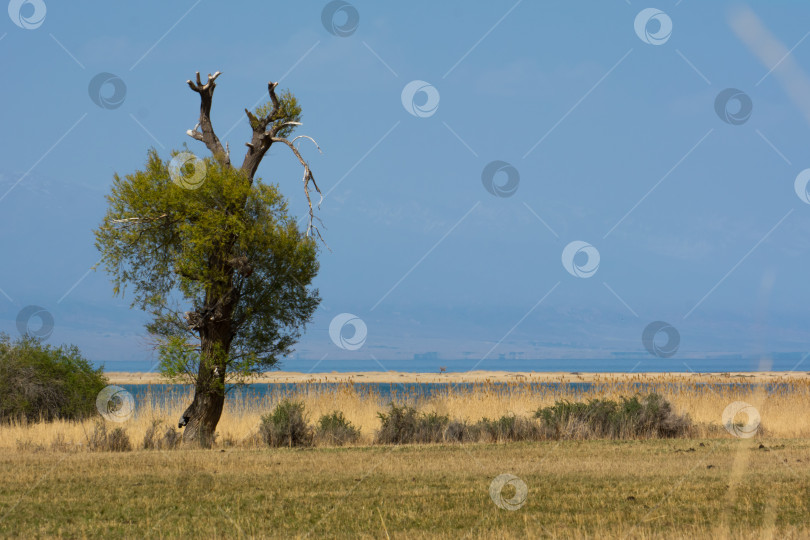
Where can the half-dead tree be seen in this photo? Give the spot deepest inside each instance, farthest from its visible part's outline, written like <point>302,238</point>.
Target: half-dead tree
<point>222,268</point>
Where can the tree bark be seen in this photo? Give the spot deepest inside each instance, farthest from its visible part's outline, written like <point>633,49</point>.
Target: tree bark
<point>209,392</point>
<point>204,415</point>
<point>208,136</point>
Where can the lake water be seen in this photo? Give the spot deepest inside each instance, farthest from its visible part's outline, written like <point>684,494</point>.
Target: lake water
<point>158,394</point>
<point>619,362</point>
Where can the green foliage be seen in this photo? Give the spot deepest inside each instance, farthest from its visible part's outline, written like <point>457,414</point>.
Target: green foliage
<point>404,425</point>
<point>178,356</point>
<point>461,431</point>
<point>650,416</point>
<point>510,428</point>
<point>42,382</point>
<point>286,425</point>
<point>289,111</point>
<point>335,429</point>
<point>176,248</point>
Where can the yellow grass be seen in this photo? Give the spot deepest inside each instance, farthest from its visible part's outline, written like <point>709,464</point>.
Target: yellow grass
<point>783,412</point>
<point>713,488</point>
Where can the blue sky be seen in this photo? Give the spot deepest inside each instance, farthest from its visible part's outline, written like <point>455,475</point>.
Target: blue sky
<point>612,138</point>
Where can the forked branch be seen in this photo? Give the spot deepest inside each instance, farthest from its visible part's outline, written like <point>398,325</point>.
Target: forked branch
<point>207,135</point>
<point>261,139</point>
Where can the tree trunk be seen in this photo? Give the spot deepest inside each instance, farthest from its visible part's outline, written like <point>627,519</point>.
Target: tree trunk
<point>209,393</point>
<point>204,415</point>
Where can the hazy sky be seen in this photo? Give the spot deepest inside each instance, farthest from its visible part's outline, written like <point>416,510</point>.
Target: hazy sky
<point>464,148</point>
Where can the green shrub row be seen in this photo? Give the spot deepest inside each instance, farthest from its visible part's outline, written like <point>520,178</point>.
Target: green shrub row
<point>637,417</point>
<point>647,417</point>
<point>287,425</point>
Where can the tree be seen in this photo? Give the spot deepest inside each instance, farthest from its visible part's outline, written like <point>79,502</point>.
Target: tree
<point>222,245</point>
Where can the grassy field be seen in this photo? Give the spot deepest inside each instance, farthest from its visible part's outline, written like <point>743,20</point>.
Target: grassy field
<point>720,488</point>
<point>709,485</point>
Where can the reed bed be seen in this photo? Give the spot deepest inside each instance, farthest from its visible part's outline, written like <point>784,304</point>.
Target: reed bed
<point>782,406</point>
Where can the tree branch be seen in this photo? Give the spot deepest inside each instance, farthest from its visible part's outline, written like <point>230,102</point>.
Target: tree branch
<point>139,219</point>
<point>262,138</point>
<point>308,177</point>
<point>207,136</point>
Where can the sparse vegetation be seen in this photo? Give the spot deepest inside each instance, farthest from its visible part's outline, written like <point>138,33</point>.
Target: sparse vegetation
<point>153,440</point>
<point>102,440</point>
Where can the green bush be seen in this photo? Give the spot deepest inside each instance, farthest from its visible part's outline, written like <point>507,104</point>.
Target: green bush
<point>510,428</point>
<point>286,425</point>
<point>649,416</point>
<point>404,425</point>
<point>654,417</point>
<point>40,382</point>
<point>335,429</point>
<point>462,432</point>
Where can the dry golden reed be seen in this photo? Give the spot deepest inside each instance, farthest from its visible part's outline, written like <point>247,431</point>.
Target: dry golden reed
<point>782,407</point>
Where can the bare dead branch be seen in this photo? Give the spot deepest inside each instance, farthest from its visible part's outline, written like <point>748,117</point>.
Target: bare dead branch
<point>308,177</point>
<point>307,137</point>
<point>138,219</point>
<point>260,142</point>
<point>207,136</point>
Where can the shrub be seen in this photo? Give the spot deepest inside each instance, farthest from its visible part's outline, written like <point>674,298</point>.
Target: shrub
<point>510,428</point>
<point>430,428</point>
<point>650,416</point>
<point>398,426</point>
<point>335,429</point>
<point>404,425</point>
<point>461,431</point>
<point>102,440</point>
<point>655,418</point>
<point>152,440</point>
<point>40,382</point>
<point>566,419</point>
<point>286,425</point>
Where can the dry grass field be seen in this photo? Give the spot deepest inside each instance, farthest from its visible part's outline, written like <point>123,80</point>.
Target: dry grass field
<point>718,488</point>
<point>710,485</point>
